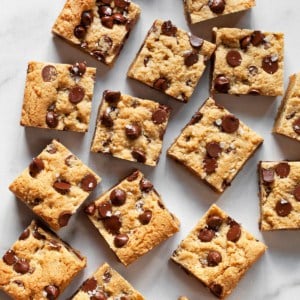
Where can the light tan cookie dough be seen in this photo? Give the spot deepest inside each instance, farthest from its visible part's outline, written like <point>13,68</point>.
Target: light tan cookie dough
<point>215,145</point>
<point>100,28</point>
<point>58,96</point>
<point>248,62</point>
<point>132,218</point>
<point>218,252</point>
<point>279,184</point>
<point>39,265</point>
<point>171,60</point>
<point>55,184</point>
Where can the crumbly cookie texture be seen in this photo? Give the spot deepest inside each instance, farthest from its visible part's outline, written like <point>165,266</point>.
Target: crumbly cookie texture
<point>171,60</point>
<point>279,185</point>
<point>201,10</point>
<point>39,265</point>
<point>130,128</point>
<point>218,252</point>
<point>288,118</point>
<point>55,184</point>
<point>248,62</point>
<point>215,145</point>
<point>132,218</point>
<point>106,283</point>
<point>58,96</point>
<point>100,27</point>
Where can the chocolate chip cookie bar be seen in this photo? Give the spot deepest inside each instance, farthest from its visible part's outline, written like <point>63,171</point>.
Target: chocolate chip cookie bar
<point>279,185</point>
<point>248,62</point>
<point>55,184</point>
<point>288,118</point>
<point>201,10</point>
<point>215,145</point>
<point>99,27</point>
<point>218,252</point>
<point>58,96</point>
<point>106,283</point>
<point>39,265</point>
<point>130,128</point>
<point>171,60</point>
<point>132,218</point>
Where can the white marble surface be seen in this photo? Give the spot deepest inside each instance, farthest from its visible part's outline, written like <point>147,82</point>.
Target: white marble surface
<point>25,35</point>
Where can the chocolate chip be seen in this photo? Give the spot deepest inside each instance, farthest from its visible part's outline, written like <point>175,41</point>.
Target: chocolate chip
<point>253,70</point>
<point>106,1</point>
<point>196,118</point>
<point>64,218</point>
<point>25,234</point>
<point>160,115</point>
<point>62,186</point>
<point>282,170</point>
<point>161,84</point>
<point>122,3</point>
<point>245,42</point>
<point>36,166</point>
<point>270,64</point>
<point>139,155</point>
<point>213,258</point>
<point>296,126</point>
<point>167,28</point>
<point>233,58</point>
<point>79,31</point>
<point>89,285</point>
<point>216,6</point>
<point>214,222</point>
<point>133,131</point>
<point>118,197</point>
<point>283,208</point>
<point>90,209</point>
<point>297,192</point>
<point>119,18</point>
<point>190,58</point>
<point>257,38</point>
<point>70,160</point>
<point>10,257</point>
<point>234,232</point>
<point>98,296</point>
<point>230,123</point>
<point>133,176</point>
<point>111,96</point>
<point>19,283</point>
<point>51,149</point>
<point>121,240</point>
<point>105,209</point>
<point>52,119</point>
<point>104,10</point>
<point>88,183</point>
<point>54,245</point>
<point>107,276</point>
<point>52,292</point>
<point>210,165</point>
<point>87,18</point>
<point>38,235</point>
<point>213,149</point>
<point>21,266</point>
<point>222,84</point>
<point>107,21</point>
<point>112,224</point>
<point>145,217</point>
<point>106,118</point>
<point>49,73</point>
<point>206,235</point>
<point>76,94</point>
<point>78,69</point>
<point>195,41</point>
<point>146,185</point>
<point>216,289</point>
<point>267,175</point>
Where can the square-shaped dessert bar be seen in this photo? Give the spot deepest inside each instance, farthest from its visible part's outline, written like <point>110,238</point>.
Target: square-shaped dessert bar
<point>99,27</point>
<point>55,184</point>
<point>106,283</point>
<point>248,62</point>
<point>215,145</point>
<point>279,186</point>
<point>132,218</point>
<point>218,252</point>
<point>39,265</point>
<point>201,10</point>
<point>288,118</point>
<point>171,60</point>
<point>58,96</point>
<point>130,128</point>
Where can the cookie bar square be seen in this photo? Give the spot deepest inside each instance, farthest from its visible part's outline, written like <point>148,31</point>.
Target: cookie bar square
<point>106,283</point>
<point>171,60</point>
<point>279,185</point>
<point>132,218</point>
<point>218,252</point>
<point>288,118</point>
<point>215,145</point>
<point>55,184</point>
<point>58,96</point>
<point>201,10</point>
<point>98,27</point>
<point>248,62</point>
<point>130,128</point>
<point>39,265</point>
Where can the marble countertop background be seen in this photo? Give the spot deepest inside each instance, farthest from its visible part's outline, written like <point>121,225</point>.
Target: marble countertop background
<point>25,33</point>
